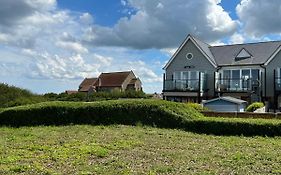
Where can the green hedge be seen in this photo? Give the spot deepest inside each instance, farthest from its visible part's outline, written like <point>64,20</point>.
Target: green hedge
<point>131,112</point>
<point>235,126</point>
<point>254,106</point>
<point>149,112</point>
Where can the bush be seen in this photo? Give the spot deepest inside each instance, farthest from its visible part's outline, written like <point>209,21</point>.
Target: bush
<point>235,126</point>
<point>148,112</point>
<point>96,96</point>
<point>116,95</point>
<point>254,106</point>
<point>197,107</point>
<point>133,112</point>
<point>13,96</point>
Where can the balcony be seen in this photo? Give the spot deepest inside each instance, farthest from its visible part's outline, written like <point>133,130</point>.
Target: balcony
<point>237,85</point>
<point>185,85</point>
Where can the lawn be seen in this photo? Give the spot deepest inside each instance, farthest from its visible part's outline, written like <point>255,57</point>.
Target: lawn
<point>118,149</point>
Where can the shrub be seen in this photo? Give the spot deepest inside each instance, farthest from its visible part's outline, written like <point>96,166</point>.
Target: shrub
<point>13,96</point>
<point>96,96</point>
<point>197,107</point>
<point>235,126</point>
<point>116,94</point>
<point>148,112</point>
<point>254,106</point>
<point>135,112</point>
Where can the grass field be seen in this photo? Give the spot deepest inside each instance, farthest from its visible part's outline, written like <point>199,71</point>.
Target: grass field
<point>117,149</point>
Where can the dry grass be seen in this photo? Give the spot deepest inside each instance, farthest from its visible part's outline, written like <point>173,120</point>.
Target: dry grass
<point>84,149</point>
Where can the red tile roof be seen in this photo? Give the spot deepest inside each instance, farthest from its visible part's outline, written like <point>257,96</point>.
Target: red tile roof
<point>113,79</point>
<point>87,83</point>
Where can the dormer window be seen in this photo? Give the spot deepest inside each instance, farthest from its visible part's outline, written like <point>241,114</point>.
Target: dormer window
<point>243,54</point>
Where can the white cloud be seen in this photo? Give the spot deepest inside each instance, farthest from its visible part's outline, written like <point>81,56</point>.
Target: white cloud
<point>55,67</point>
<point>86,18</point>
<point>143,71</point>
<point>237,38</point>
<point>103,60</point>
<point>260,17</point>
<point>58,45</point>
<point>164,24</point>
<point>123,2</point>
<point>169,51</point>
<point>74,46</point>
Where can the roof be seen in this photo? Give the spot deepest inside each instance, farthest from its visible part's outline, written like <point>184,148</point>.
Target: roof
<point>206,48</point>
<point>113,79</point>
<point>227,98</point>
<point>260,52</point>
<point>87,83</point>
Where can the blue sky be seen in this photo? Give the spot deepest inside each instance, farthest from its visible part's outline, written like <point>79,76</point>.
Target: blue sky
<point>50,46</point>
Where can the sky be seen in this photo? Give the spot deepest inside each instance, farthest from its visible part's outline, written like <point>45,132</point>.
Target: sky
<point>52,45</point>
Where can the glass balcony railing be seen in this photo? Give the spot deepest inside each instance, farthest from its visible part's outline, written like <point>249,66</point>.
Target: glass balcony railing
<point>181,85</point>
<point>237,84</point>
<point>185,85</point>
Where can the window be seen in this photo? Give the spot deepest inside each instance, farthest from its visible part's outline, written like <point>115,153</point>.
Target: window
<point>235,83</point>
<point>186,80</point>
<point>177,75</point>
<point>246,78</point>
<point>240,78</point>
<point>189,56</point>
<point>255,76</point>
<point>185,75</point>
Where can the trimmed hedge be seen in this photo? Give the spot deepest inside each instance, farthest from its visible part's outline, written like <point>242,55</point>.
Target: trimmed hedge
<point>266,115</point>
<point>235,126</point>
<point>158,113</point>
<point>148,112</point>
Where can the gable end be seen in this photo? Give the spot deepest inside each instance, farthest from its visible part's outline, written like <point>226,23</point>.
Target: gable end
<point>189,37</point>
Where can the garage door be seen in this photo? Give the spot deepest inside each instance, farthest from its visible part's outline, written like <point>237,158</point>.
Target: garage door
<point>222,108</point>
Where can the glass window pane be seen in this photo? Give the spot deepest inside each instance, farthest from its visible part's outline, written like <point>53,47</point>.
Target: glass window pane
<point>245,78</point>
<point>177,75</point>
<point>194,75</point>
<point>235,83</point>
<point>246,73</point>
<point>226,74</point>
<point>226,79</point>
<point>185,75</point>
<point>255,76</point>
